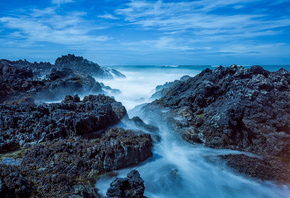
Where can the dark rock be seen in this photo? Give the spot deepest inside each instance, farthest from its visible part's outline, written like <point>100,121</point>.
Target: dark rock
<point>132,186</point>
<point>84,191</point>
<point>13,184</point>
<point>78,63</point>
<point>109,89</point>
<point>68,99</point>
<point>234,108</point>
<point>26,122</point>
<point>266,168</point>
<point>161,90</point>
<point>42,81</point>
<point>64,167</point>
<point>139,123</point>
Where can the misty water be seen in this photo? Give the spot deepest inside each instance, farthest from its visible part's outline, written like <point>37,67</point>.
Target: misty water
<point>179,169</point>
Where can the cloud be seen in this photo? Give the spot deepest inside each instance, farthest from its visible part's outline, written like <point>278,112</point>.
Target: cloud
<point>108,16</point>
<point>200,16</point>
<point>58,2</point>
<point>48,25</point>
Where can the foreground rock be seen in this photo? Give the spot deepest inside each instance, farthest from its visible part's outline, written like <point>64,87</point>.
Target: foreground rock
<point>70,167</point>
<point>131,187</point>
<point>23,123</point>
<point>236,108</point>
<point>233,108</point>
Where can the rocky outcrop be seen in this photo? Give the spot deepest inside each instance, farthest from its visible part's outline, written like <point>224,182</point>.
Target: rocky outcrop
<point>233,108</point>
<point>43,81</point>
<point>236,108</point>
<point>132,186</point>
<point>78,63</point>
<point>17,82</point>
<point>70,167</point>
<point>24,123</point>
<point>160,90</point>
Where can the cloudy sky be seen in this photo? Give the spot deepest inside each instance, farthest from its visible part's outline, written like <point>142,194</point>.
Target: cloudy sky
<point>116,32</point>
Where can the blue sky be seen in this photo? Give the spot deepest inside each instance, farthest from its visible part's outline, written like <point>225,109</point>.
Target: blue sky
<point>117,32</point>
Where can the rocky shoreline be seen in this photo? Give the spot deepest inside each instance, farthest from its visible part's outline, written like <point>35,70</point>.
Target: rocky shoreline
<point>234,108</point>
<point>62,147</point>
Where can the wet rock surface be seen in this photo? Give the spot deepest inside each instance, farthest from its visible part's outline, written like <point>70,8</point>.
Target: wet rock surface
<point>233,108</point>
<point>24,123</point>
<point>266,168</point>
<point>70,167</point>
<point>132,186</point>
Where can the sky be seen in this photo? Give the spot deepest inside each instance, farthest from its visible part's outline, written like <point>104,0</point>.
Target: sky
<point>147,32</point>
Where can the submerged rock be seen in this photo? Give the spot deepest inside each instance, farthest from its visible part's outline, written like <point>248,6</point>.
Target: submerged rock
<point>132,186</point>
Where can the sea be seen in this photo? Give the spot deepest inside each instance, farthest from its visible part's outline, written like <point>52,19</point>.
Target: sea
<point>179,169</point>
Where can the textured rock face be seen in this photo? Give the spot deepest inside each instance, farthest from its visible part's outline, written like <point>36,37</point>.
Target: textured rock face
<point>131,187</point>
<point>17,82</point>
<point>68,167</point>
<point>13,184</point>
<point>43,81</point>
<point>236,108</point>
<point>160,90</point>
<point>265,169</point>
<point>78,63</point>
<point>24,123</point>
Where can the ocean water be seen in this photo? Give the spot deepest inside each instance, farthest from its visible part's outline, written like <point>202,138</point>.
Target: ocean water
<point>179,169</point>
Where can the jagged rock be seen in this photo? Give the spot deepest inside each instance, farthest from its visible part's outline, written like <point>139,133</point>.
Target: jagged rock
<point>27,123</point>
<point>18,82</point>
<point>42,81</point>
<point>131,187</point>
<point>13,184</point>
<point>139,123</point>
<point>160,90</point>
<point>109,89</point>
<point>63,168</point>
<point>66,82</point>
<point>266,168</point>
<point>235,108</point>
<point>78,63</point>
